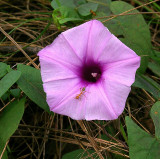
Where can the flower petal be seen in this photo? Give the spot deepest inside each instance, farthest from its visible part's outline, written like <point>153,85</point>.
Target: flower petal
<point>70,106</point>
<point>97,105</point>
<point>52,70</point>
<point>117,94</point>
<point>91,106</point>
<point>114,51</point>
<point>58,80</point>
<point>60,91</point>
<point>97,40</point>
<point>122,71</point>
<point>60,50</point>
<point>77,37</point>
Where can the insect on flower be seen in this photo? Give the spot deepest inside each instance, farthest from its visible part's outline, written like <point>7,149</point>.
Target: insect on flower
<point>82,91</point>
<point>92,12</point>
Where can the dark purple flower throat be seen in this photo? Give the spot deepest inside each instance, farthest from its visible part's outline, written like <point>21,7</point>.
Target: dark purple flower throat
<point>91,72</point>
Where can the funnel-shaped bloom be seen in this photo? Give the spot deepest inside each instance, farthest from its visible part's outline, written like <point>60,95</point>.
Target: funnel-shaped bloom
<point>87,73</point>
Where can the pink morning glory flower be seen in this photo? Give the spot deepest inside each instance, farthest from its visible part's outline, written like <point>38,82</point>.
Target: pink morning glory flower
<point>87,73</point>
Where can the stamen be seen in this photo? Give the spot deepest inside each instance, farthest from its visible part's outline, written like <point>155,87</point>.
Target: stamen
<point>94,74</point>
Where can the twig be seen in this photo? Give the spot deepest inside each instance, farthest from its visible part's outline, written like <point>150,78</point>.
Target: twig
<point>129,10</point>
<point>19,47</point>
<point>4,149</point>
<point>90,139</point>
<point>12,48</point>
<point>140,124</point>
<point>128,14</point>
<point>153,100</point>
<point>7,104</point>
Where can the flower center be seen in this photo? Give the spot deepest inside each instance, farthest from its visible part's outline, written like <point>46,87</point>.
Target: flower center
<point>91,72</point>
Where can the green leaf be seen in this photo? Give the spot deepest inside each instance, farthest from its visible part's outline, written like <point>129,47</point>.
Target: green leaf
<point>80,153</point>
<point>123,133</point>
<point>103,8</point>
<point>148,84</point>
<point>9,120</point>
<point>134,30</point>
<point>8,80</point>
<point>31,84</point>
<point>141,144</point>
<point>156,56</point>
<point>3,69</point>
<point>157,53</point>
<point>58,3</point>
<point>6,96</point>
<point>79,2</point>
<point>65,14</point>
<point>16,92</point>
<point>155,115</point>
<point>154,67</point>
<point>55,4</point>
<point>85,9</point>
